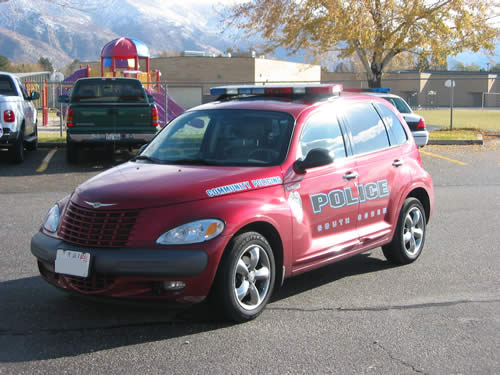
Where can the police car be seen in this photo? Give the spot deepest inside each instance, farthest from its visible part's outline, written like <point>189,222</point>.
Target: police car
<point>234,196</point>
<point>415,122</point>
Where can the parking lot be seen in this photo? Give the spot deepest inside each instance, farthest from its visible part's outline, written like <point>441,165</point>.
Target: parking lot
<point>439,315</point>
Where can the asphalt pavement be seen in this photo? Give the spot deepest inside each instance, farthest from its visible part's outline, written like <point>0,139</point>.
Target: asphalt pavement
<point>439,315</point>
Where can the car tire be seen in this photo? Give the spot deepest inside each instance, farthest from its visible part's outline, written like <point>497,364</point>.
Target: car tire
<point>409,237</point>
<point>17,151</point>
<point>33,145</point>
<point>245,279</point>
<point>71,152</point>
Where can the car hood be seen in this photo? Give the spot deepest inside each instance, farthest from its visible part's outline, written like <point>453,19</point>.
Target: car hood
<point>140,185</point>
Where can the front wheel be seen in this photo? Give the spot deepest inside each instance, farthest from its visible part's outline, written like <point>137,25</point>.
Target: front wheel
<point>409,237</point>
<point>245,278</point>
<point>33,145</point>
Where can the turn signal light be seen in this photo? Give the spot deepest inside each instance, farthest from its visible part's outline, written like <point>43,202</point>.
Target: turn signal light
<point>421,124</point>
<point>154,115</point>
<point>69,118</point>
<point>9,116</point>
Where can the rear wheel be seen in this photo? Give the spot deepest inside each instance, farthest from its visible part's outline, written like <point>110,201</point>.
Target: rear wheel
<point>245,278</point>
<point>17,151</point>
<point>409,238</point>
<point>71,152</point>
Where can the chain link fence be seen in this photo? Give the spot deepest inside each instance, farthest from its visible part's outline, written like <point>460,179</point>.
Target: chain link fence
<point>173,97</point>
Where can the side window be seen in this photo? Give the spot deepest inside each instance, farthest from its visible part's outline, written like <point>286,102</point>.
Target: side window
<point>23,90</point>
<point>397,134</point>
<point>188,138</point>
<point>368,131</point>
<point>322,130</point>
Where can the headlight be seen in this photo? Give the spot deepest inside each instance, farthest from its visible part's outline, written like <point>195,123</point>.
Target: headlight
<point>51,222</point>
<point>194,232</point>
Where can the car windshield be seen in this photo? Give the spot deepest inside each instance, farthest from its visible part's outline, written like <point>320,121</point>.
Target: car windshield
<point>109,91</point>
<point>223,137</point>
<point>399,103</point>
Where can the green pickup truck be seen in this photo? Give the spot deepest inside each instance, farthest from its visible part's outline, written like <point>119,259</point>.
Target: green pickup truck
<point>110,112</point>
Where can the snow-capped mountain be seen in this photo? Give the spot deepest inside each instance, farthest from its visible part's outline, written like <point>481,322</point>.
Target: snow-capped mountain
<point>29,30</point>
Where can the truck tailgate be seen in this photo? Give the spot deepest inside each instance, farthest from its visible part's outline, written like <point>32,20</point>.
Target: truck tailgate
<point>113,117</point>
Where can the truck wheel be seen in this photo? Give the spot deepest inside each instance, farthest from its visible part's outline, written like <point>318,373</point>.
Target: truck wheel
<point>71,152</point>
<point>17,152</point>
<point>245,278</point>
<point>409,237</point>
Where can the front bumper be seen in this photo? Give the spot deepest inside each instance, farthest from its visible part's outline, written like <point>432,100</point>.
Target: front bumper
<point>127,262</point>
<point>128,273</point>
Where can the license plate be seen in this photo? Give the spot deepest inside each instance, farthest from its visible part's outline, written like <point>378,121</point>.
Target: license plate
<point>73,263</point>
<point>112,137</point>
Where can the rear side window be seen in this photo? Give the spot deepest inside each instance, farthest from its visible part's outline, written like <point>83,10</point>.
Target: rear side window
<point>23,90</point>
<point>109,91</point>
<point>322,130</point>
<point>368,131</point>
<point>397,134</point>
<point>7,86</point>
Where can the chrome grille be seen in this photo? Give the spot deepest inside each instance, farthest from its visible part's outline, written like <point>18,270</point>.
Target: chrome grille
<point>97,227</point>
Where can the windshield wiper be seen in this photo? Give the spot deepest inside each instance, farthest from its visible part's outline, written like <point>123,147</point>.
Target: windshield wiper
<point>193,161</point>
<point>148,158</point>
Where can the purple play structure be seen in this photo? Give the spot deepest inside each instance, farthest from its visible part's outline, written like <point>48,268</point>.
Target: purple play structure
<point>117,56</point>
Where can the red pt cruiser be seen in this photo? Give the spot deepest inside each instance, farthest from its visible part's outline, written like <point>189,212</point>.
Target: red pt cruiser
<point>234,196</point>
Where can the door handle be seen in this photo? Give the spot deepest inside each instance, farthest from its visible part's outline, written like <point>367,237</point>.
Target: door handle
<point>397,163</point>
<point>351,176</point>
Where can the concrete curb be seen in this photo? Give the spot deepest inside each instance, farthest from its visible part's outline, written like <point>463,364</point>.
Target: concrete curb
<point>457,142</point>
<point>52,144</point>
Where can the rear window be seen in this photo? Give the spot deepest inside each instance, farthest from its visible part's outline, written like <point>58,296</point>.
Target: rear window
<point>109,91</point>
<point>399,103</point>
<point>7,86</point>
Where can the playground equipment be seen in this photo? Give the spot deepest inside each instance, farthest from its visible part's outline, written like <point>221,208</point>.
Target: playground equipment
<point>122,58</point>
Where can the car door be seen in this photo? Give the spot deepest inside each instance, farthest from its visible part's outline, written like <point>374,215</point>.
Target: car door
<point>380,162</point>
<point>324,224</point>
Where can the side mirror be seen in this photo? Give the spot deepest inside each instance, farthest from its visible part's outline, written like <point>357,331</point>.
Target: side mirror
<point>151,98</point>
<point>63,99</point>
<point>317,157</point>
<point>34,95</point>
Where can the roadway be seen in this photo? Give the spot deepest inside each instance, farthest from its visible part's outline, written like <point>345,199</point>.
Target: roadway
<point>439,315</point>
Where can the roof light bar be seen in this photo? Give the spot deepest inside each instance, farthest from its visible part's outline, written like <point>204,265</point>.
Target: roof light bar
<point>380,89</point>
<point>278,90</point>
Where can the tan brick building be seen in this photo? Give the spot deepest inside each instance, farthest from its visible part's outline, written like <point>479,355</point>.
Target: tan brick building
<point>191,77</point>
<point>427,89</point>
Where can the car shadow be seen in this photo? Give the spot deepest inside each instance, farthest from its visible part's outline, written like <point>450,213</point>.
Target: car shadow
<point>49,324</point>
<point>360,264</point>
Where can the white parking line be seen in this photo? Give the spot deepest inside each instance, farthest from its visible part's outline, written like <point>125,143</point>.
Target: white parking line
<point>45,162</point>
